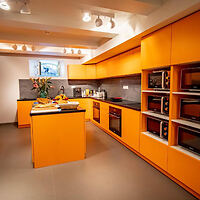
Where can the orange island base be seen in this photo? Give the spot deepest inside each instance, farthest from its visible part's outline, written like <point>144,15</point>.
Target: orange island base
<point>58,137</point>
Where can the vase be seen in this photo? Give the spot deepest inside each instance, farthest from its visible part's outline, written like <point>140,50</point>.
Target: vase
<point>43,94</point>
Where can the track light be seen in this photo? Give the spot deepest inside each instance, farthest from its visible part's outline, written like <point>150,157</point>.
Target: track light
<point>112,23</point>
<point>86,17</point>
<point>98,22</point>
<point>25,8</point>
<point>4,5</point>
<point>24,47</point>
<point>14,46</point>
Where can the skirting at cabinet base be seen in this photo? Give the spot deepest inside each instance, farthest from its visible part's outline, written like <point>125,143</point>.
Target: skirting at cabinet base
<point>150,162</point>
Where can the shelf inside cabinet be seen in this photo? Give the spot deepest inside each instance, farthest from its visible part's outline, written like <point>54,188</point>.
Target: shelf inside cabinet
<point>153,114</point>
<point>155,137</point>
<point>156,91</point>
<point>187,93</point>
<point>187,123</point>
<point>187,152</point>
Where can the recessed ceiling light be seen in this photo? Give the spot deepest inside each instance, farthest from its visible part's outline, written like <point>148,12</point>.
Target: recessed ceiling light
<point>98,22</point>
<point>4,5</point>
<point>86,17</point>
<point>25,8</point>
<point>112,23</point>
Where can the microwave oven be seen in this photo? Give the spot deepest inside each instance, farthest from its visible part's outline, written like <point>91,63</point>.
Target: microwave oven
<point>159,80</point>
<point>189,138</point>
<point>158,127</point>
<point>190,109</point>
<point>158,104</point>
<point>190,79</point>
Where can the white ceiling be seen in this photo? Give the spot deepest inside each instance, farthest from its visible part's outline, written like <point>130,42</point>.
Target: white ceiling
<point>63,21</point>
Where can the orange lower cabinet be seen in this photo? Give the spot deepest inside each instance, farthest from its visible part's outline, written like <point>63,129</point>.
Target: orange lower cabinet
<point>104,115</point>
<point>154,150</point>
<point>184,167</point>
<point>23,113</point>
<point>131,127</point>
<point>58,138</point>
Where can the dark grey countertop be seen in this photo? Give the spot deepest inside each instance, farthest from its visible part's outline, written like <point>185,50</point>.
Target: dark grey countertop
<point>124,103</point>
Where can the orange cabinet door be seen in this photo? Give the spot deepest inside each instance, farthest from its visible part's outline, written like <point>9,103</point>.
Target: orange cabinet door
<point>90,71</point>
<point>186,40</point>
<point>154,150</point>
<point>101,70</point>
<point>104,115</point>
<point>131,127</point>
<point>130,62</point>
<point>156,49</point>
<point>185,168</point>
<point>76,71</point>
<point>23,113</point>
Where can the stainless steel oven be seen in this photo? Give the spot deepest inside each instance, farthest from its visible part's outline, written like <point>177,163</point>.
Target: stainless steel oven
<point>96,111</point>
<point>115,120</point>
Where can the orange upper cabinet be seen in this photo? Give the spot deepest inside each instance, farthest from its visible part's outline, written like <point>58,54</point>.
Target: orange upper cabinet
<point>124,64</point>
<point>81,71</point>
<point>186,40</point>
<point>156,49</point>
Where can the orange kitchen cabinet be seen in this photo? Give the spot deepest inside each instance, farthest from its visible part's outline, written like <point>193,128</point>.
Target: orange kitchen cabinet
<point>81,71</point>
<point>76,72</point>
<point>23,113</point>
<point>85,104</point>
<point>104,115</point>
<point>101,70</point>
<point>130,62</point>
<point>131,127</point>
<point>186,40</point>
<point>184,167</point>
<point>154,150</point>
<point>90,71</point>
<point>156,49</point>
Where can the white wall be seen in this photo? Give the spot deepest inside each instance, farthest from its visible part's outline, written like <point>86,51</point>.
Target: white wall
<point>13,68</point>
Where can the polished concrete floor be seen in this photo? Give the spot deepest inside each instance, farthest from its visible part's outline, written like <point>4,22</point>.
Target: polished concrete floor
<point>110,172</point>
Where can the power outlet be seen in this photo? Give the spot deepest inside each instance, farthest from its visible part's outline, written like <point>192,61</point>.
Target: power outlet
<point>125,87</point>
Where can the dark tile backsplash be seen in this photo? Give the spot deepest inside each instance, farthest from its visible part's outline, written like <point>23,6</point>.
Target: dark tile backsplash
<point>113,86</point>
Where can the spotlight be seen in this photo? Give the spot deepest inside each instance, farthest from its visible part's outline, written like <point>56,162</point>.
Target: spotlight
<point>72,51</point>
<point>79,51</point>
<point>25,8</point>
<point>112,23</point>
<point>64,51</point>
<point>24,47</point>
<point>4,5</point>
<point>33,48</point>
<point>14,46</point>
<point>86,17</point>
<point>98,22</point>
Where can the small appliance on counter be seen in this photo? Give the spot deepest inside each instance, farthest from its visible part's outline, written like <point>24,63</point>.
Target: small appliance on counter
<point>159,80</point>
<point>116,99</point>
<point>77,92</point>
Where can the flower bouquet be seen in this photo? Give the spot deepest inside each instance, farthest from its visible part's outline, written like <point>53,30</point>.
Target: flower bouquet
<point>42,86</point>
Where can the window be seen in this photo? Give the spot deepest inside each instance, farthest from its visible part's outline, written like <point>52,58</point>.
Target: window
<point>45,68</point>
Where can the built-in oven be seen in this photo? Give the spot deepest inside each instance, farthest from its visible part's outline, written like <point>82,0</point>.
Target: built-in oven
<point>190,79</point>
<point>115,120</point>
<point>159,103</point>
<point>96,111</point>
<point>190,109</point>
<point>158,127</point>
<point>189,138</point>
<point>159,80</point>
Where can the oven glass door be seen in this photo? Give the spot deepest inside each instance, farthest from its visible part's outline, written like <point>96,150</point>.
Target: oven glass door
<point>155,80</point>
<point>189,139</point>
<point>190,79</point>
<point>153,126</point>
<point>154,103</point>
<point>190,109</point>
<point>115,124</point>
<point>96,114</point>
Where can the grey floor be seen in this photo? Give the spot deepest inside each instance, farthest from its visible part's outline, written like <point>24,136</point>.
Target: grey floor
<point>110,172</point>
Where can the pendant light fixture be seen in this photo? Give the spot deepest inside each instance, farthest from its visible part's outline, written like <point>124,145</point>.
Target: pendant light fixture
<point>86,17</point>
<point>4,5</point>
<point>24,48</point>
<point>14,46</point>
<point>112,23</point>
<point>25,8</point>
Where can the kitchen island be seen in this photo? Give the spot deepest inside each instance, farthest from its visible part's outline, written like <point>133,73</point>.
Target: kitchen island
<point>58,137</point>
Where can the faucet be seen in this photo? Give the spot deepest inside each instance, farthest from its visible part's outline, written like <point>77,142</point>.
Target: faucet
<point>62,90</point>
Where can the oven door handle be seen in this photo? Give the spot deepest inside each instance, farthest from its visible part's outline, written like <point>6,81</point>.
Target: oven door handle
<point>114,116</point>
<point>161,129</point>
